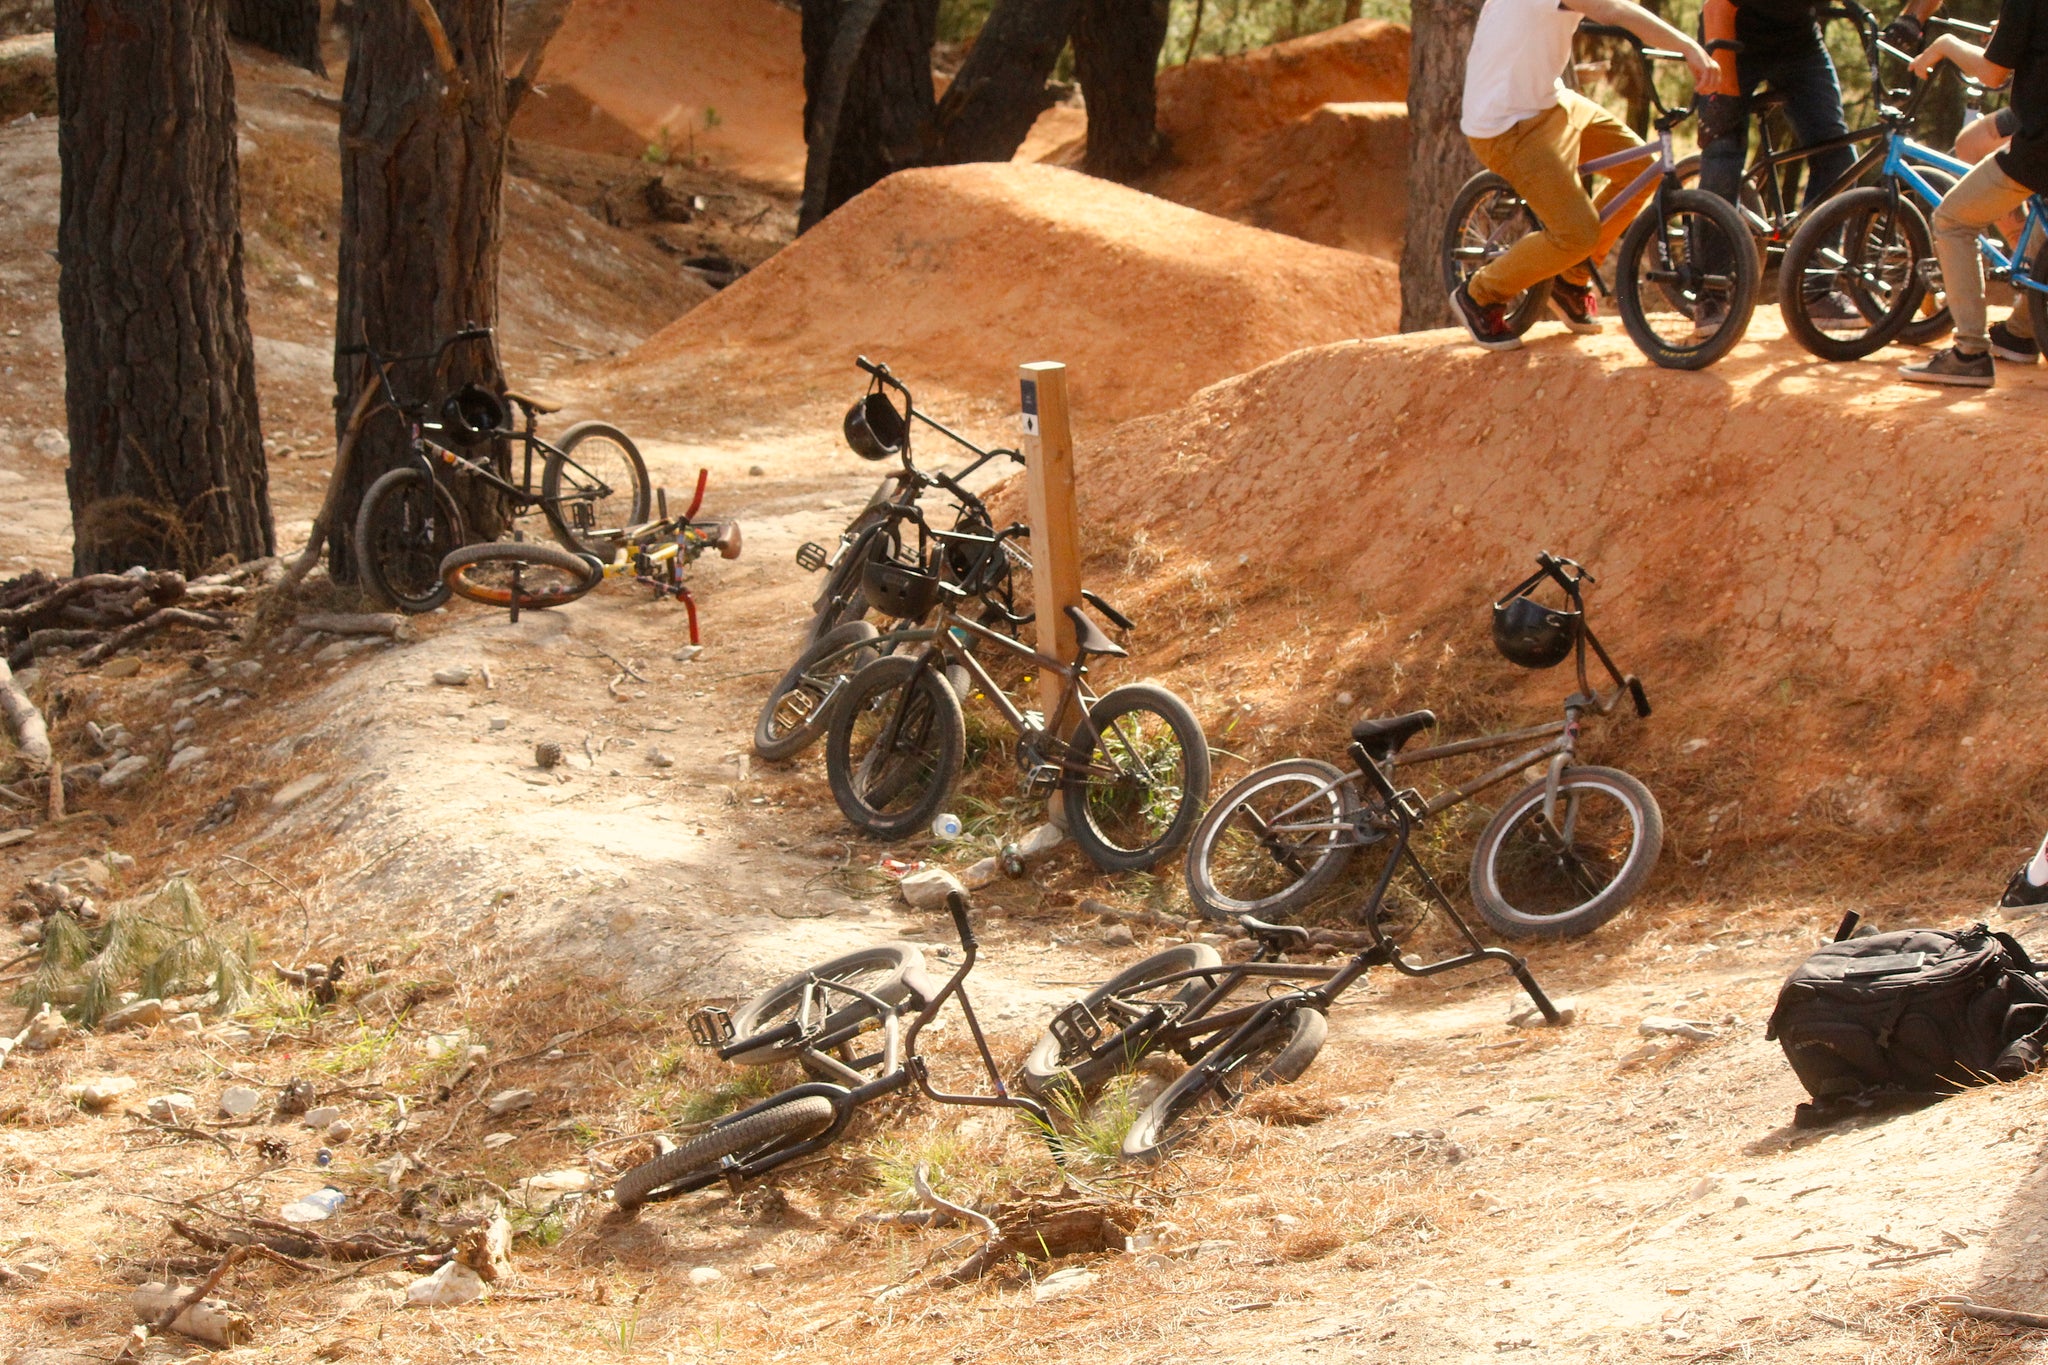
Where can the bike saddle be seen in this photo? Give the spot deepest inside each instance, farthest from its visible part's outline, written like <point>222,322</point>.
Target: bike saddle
<point>534,403</point>
<point>1765,100</point>
<point>1089,637</point>
<point>1279,935</point>
<point>1383,736</point>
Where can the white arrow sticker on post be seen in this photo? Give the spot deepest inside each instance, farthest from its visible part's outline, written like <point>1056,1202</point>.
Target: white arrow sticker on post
<point>1029,416</point>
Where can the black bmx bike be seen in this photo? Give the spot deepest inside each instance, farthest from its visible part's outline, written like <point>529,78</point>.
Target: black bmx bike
<point>587,487</point>
<point>1251,1024</point>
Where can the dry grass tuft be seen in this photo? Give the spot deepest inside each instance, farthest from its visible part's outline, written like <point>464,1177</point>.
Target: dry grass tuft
<point>1284,1106</point>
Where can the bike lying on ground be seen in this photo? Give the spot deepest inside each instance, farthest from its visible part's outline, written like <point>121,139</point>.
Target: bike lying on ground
<point>821,1018</point>
<point>1132,766</point>
<point>409,522</point>
<point>1685,273</point>
<point>1180,1001</point>
<point>522,574</point>
<point>1563,856</point>
<point>840,640</point>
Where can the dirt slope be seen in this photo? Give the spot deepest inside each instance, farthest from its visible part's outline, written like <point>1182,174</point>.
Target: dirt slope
<point>724,81</point>
<point>956,274</point>
<point>1827,578</point>
<point>1276,137</point>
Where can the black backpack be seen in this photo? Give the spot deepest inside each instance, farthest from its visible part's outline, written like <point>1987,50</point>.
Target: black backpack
<point>1907,1016</point>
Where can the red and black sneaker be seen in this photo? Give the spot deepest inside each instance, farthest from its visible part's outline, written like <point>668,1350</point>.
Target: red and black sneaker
<point>1488,325</point>
<point>1576,306</point>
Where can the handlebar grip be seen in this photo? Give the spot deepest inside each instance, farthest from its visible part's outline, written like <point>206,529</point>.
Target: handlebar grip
<point>957,904</point>
<point>351,350</point>
<point>1122,621</point>
<point>1642,699</point>
<point>472,334</point>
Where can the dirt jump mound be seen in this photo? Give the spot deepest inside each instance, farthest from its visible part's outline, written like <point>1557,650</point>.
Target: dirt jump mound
<point>956,274</point>
<point>1825,577</point>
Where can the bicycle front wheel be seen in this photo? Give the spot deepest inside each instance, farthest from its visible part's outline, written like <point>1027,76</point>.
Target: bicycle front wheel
<point>1274,841</point>
<point>1931,320</point>
<point>1538,878</point>
<point>504,572</point>
<point>698,1162</point>
<point>1148,773</point>
<point>880,971</point>
<point>593,486</point>
<point>894,746</point>
<point>1276,1055</point>
<point>1852,275</point>
<point>1117,1003</point>
<point>1686,279</point>
<point>800,706</point>
<point>2037,302</point>
<point>1485,219</point>
<point>407,525</point>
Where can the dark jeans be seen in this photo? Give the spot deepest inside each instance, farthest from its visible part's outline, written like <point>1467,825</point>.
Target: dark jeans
<point>1799,70</point>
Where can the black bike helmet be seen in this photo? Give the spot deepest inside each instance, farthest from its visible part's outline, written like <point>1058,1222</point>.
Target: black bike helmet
<point>472,414</point>
<point>904,591</point>
<point>875,430</point>
<point>1533,635</point>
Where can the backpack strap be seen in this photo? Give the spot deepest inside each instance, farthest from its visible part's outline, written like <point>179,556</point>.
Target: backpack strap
<point>2019,954</point>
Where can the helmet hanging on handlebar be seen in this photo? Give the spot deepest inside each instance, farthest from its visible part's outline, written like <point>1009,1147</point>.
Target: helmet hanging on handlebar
<point>472,414</point>
<point>1535,636</point>
<point>874,428</point>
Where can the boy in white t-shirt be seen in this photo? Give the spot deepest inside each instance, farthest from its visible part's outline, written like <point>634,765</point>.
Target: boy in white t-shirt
<point>1532,132</point>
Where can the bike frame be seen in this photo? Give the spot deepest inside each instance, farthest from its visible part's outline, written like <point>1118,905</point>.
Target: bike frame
<point>1902,160</point>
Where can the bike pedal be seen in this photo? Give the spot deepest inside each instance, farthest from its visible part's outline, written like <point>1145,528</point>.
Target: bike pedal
<point>711,1026</point>
<point>1077,1030</point>
<point>810,556</point>
<point>1043,776</point>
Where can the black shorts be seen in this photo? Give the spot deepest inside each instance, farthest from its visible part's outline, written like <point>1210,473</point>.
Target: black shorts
<point>2006,122</point>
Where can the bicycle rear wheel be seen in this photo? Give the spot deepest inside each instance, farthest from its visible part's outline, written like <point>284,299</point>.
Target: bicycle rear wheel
<point>2036,301</point>
<point>1047,1067</point>
<point>407,525</point>
<point>1686,279</point>
<point>800,706</point>
<point>1148,775</point>
<point>748,1137</point>
<point>880,971</point>
<point>1276,1055</point>
<point>1534,881</point>
<point>544,575</point>
<point>593,486</point>
<point>1865,249</point>
<point>1273,842</point>
<point>1487,218</point>
<point>890,773</point>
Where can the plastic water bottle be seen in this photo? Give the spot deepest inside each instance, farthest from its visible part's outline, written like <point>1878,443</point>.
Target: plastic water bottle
<point>315,1207</point>
<point>946,826</point>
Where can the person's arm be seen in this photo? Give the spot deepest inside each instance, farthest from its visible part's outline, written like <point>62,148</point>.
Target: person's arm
<point>1706,76</point>
<point>1717,21</point>
<point>1968,57</point>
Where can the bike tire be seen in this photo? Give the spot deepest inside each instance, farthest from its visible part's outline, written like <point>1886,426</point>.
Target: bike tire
<point>407,520</point>
<point>893,796</point>
<point>1932,323</point>
<point>1276,1055</point>
<point>843,599</point>
<point>696,1162</point>
<point>1488,217</point>
<point>799,707</point>
<point>1044,1072</point>
<point>609,513</point>
<point>1229,824</point>
<point>1743,272</point>
<point>1811,257</point>
<point>1133,824</point>
<point>2037,302</point>
<point>480,573</point>
<point>880,970</point>
<point>1529,871</point>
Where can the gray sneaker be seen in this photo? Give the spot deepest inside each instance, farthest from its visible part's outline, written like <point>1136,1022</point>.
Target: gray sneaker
<point>1834,306</point>
<point>2009,345</point>
<point>1953,366</point>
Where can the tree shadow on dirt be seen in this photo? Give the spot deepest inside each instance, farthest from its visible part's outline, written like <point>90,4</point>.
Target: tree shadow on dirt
<point>2014,1271</point>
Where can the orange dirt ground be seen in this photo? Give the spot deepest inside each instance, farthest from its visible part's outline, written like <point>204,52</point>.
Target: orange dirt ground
<point>1308,137</point>
<point>955,274</point>
<point>725,81</point>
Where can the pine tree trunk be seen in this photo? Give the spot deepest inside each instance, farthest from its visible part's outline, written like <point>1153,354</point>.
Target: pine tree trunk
<point>422,179</point>
<point>989,108</point>
<point>1439,159</point>
<point>868,99</point>
<point>290,28</point>
<point>1116,54</point>
<point>167,465</point>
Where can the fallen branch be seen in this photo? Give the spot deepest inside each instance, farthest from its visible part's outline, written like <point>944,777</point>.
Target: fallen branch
<point>1046,1229</point>
<point>1155,918</point>
<point>386,623</point>
<point>24,721</point>
<point>163,587</point>
<point>1984,1312</point>
<point>367,399</point>
<point>444,55</point>
<point>162,1307</point>
<point>149,625</point>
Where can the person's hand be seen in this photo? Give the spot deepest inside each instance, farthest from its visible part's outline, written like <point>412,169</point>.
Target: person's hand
<point>1905,33</point>
<point>1719,116</point>
<point>1935,54</point>
<point>1707,77</point>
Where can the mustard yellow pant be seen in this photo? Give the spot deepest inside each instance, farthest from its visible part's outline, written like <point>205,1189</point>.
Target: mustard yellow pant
<point>1540,157</point>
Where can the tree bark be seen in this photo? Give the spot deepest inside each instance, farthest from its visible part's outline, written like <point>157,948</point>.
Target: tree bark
<point>167,464</point>
<point>290,28</point>
<point>422,180</point>
<point>868,99</point>
<point>1116,55</point>
<point>989,108</point>
<point>1439,159</point>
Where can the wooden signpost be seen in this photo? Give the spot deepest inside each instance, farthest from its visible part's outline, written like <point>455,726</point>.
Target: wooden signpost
<point>1055,531</point>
